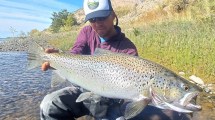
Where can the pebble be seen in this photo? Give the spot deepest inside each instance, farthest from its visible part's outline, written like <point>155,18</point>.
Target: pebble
<point>196,79</point>
<point>181,73</point>
<point>207,90</point>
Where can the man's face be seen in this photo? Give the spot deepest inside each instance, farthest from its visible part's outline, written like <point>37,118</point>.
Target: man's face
<point>103,26</point>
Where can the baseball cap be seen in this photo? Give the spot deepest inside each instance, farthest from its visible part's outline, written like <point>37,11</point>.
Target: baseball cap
<point>97,8</point>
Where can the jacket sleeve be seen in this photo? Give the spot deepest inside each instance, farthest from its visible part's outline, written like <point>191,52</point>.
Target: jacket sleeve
<point>132,51</point>
<point>129,47</point>
<point>80,46</point>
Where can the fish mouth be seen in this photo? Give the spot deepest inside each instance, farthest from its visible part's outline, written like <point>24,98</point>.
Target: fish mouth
<point>189,102</point>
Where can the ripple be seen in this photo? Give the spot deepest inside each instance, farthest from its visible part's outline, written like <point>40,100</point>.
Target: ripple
<point>20,89</point>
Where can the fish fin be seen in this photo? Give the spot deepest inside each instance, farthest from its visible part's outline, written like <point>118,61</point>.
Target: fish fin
<point>134,108</point>
<point>33,61</point>
<point>56,78</point>
<point>90,96</point>
<point>84,96</point>
<point>178,109</point>
<point>34,55</point>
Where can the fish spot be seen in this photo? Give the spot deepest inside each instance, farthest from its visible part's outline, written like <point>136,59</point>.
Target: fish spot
<point>151,77</point>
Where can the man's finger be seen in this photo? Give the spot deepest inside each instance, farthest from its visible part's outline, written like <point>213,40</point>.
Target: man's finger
<point>45,66</point>
<point>51,50</point>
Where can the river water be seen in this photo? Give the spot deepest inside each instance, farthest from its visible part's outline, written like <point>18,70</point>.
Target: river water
<point>2,39</point>
<point>22,90</point>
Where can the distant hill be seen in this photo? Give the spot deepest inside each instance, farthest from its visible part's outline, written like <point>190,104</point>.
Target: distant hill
<point>140,12</point>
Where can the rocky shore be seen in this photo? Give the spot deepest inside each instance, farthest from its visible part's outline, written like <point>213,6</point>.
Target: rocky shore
<point>22,44</point>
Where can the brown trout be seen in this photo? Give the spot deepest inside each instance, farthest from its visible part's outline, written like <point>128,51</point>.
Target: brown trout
<point>121,76</point>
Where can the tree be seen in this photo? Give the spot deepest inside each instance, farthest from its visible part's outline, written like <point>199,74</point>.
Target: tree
<point>13,31</point>
<point>70,21</point>
<point>22,35</point>
<point>34,32</point>
<point>61,19</point>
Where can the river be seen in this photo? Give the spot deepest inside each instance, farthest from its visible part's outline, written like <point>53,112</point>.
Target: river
<point>21,90</point>
<point>2,39</point>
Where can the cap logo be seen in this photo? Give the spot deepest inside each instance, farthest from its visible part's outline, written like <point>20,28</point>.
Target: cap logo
<point>93,4</point>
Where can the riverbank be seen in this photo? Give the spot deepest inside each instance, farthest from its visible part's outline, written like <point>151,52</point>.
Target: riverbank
<point>62,41</point>
<point>20,44</point>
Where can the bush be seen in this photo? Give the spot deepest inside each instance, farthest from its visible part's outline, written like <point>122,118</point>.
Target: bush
<point>62,19</point>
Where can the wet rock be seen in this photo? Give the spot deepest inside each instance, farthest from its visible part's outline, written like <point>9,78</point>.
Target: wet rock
<point>207,90</point>
<point>196,80</point>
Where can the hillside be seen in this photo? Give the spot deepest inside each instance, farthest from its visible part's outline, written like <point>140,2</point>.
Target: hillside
<point>141,12</point>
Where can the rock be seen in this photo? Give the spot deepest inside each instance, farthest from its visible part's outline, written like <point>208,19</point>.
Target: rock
<point>211,87</point>
<point>207,90</point>
<point>196,79</point>
<point>181,73</point>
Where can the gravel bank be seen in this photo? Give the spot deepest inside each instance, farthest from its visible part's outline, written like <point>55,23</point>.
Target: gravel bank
<point>22,44</point>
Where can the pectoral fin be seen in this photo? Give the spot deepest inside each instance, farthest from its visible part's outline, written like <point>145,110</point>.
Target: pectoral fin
<point>84,96</point>
<point>89,96</point>
<point>134,108</point>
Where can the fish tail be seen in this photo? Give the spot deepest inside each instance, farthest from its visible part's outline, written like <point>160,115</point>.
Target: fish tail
<point>35,52</point>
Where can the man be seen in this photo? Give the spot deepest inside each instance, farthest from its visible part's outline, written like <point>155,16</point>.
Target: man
<point>101,33</point>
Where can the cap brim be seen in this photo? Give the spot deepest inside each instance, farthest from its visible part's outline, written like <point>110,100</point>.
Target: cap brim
<point>97,14</point>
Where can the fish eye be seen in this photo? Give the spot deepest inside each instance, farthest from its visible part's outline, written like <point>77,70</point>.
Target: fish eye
<point>185,87</point>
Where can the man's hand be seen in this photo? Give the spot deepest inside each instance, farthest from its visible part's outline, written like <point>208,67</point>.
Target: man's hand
<point>46,65</point>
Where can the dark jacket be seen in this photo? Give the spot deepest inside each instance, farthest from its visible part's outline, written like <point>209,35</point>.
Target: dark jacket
<point>88,40</point>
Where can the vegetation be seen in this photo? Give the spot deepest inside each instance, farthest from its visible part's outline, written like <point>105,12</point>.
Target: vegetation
<point>34,32</point>
<point>121,11</point>
<point>64,41</point>
<point>180,45</point>
<point>62,21</point>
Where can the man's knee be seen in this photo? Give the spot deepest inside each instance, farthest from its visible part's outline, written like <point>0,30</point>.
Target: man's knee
<point>52,103</point>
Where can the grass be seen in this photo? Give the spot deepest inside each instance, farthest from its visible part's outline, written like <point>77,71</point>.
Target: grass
<point>180,46</point>
<point>64,41</point>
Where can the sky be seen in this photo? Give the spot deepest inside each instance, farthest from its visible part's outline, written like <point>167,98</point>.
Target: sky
<point>25,15</point>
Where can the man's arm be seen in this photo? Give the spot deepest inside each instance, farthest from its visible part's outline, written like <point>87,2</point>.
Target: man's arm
<point>80,46</point>
<point>129,47</point>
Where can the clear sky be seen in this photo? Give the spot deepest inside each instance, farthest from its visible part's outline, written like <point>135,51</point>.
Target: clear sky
<point>25,15</point>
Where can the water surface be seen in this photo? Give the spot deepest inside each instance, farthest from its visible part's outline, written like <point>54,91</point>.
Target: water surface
<point>2,39</point>
<point>21,90</point>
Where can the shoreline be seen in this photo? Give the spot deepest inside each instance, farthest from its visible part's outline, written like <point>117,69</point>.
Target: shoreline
<point>22,44</point>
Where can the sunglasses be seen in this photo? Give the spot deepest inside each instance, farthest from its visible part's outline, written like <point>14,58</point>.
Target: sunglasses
<point>93,20</point>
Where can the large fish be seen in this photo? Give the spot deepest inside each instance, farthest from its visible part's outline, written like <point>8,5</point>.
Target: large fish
<point>121,76</point>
